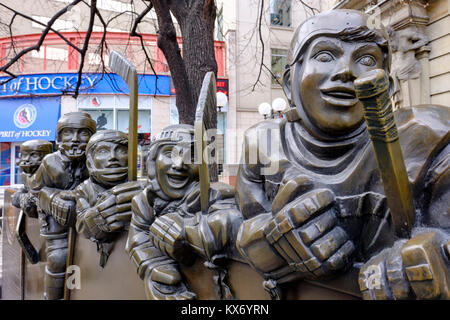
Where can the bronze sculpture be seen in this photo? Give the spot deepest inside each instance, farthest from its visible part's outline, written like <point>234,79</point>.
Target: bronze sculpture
<point>167,225</point>
<point>31,154</point>
<point>103,202</point>
<point>320,205</point>
<point>59,172</point>
<point>323,210</point>
<point>413,268</point>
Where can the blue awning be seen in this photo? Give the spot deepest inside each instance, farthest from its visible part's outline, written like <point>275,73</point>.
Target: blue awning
<point>65,83</point>
<point>29,118</point>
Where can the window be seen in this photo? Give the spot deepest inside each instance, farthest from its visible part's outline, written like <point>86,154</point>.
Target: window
<point>280,13</point>
<point>220,25</point>
<point>59,25</point>
<point>101,29</point>
<point>5,163</point>
<point>95,58</point>
<point>144,121</point>
<point>112,112</point>
<point>50,53</point>
<point>111,5</point>
<point>278,64</point>
<point>104,118</point>
<point>9,155</point>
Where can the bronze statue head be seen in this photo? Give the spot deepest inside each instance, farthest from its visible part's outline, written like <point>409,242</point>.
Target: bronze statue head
<point>170,166</point>
<point>31,154</point>
<point>107,157</point>
<point>328,52</point>
<point>74,130</point>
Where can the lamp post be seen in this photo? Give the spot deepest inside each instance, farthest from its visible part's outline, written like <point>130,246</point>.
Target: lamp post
<point>221,99</point>
<point>265,109</point>
<point>279,105</point>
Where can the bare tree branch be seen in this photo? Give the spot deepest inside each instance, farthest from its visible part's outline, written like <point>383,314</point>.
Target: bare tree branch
<point>103,44</point>
<point>16,13</point>
<point>313,10</point>
<point>86,44</point>
<point>197,17</point>
<point>133,33</point>
<point>262,44</point>
<point>262,65</point>
<point>41,39</point>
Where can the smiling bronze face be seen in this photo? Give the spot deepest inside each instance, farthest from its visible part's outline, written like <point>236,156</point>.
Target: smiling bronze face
<point>326,74</point>
<point>174,172</point>
<point>327,53</point>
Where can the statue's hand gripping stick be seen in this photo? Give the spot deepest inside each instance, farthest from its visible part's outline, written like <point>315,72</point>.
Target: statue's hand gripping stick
<point>372,90</point>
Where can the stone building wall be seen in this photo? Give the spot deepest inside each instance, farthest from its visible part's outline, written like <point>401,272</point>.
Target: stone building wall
<point>438,31</point>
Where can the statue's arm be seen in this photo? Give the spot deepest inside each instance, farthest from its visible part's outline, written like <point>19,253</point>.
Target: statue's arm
<point>162,279</point>
<point>39,179</point>
<point>250,194</point>
<point>82,208</point>
<point>26,201</point>
<point>139,247</point>
<point>41,185</point>
<point>213,235</point>
<point>418,267</point>
<point>111,212</point>
<point>438,183</point>
<point>51,199</point>
<point>15,200</point>
<point>418,40</point>
<point>302,240</point>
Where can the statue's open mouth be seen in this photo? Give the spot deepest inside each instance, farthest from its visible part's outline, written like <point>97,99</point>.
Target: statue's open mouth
<point>113,165</point>
<point>340,96</point>
<point>178,179</point>
<point>113,174</point>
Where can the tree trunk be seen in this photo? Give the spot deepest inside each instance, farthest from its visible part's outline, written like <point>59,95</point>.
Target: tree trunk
<point>167,42</point>
<point>197,30</point>
<point>196,19</point>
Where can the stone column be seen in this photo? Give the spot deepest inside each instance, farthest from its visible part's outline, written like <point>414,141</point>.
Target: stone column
<point>410,69</point>
<point>423,54</point>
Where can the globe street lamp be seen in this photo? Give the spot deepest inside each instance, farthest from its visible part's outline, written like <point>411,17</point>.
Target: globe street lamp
<point>221,100</point>
<point>265,109</point>
<point>279,105</point>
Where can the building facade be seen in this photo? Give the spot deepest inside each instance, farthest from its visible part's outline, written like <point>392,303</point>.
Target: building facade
<point>247,73</point>
<point>419,36</point>
<point>46,79</point>
<point>257,43</point>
